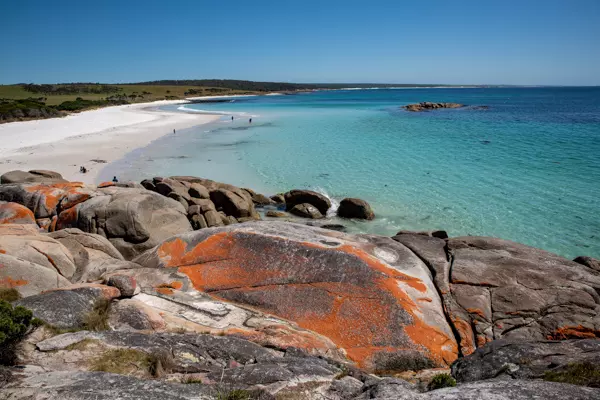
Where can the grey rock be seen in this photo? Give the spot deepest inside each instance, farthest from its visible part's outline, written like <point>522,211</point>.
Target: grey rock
<point>536,295</point>
<point>294,197</point>
<point>34,176</point>
<point>97,386</point>
<point>198,221</point>
<point>355,208</point>
<point>232,203</point>
<point>67,308</point>
<point>94,255</point>
<point>198,191</point>
<point>133,220</point>
<point>588,262</point>
<point>126,284</point>
<point>276,214</point>
<point>213,219</point>
<point>524,360</point>
<point>278,198</point>
<point>489,390</point>
<point>306,211</point>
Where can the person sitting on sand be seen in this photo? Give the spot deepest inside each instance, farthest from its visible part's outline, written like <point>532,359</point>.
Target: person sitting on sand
<point>115,180</point>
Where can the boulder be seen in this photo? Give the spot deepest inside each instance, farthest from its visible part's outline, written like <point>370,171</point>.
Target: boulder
<point>536,295</point>
<point>68,307</point>
<point>355,208</point>
<point>306,210</point>
<point>257,198</point>
<point>232,203</point>
<point>46,200</point>
<point>370,295</point>
<point>126,284</point>
<point>588,262</point>
<point>278,198</point>
<point>213,218</point>
<point>132,315</point>
<point>93,254</point>
<point>440,234</point>
<point>37,176</point>
<point>276,214</point>
<point>198,191</point>
<point>26,243</point>
<point>148,184</point>
<point>525,359</point>
<point>203,205</point>
<point>294,197</point>
<point>133,220</point>
<point>15,213</point>
<point>198,221</point>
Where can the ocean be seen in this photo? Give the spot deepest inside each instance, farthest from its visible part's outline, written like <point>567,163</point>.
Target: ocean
<point>526,169</point>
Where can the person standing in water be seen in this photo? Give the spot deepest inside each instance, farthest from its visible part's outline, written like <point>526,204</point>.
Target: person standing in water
<point>173,131</point>
<point>250,121</point>
<point>232,118</point>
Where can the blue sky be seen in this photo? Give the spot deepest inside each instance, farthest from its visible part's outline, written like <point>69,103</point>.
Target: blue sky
<point>458,42</point>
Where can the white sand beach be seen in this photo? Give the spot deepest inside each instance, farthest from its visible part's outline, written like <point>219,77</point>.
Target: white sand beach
<point>104,135</point>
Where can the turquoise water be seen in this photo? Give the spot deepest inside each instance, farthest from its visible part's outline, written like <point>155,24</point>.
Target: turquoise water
<point>527,169</point>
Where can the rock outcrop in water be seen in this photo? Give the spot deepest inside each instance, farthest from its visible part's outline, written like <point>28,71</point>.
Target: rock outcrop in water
<point>157,298</point>
<point>428,106</point>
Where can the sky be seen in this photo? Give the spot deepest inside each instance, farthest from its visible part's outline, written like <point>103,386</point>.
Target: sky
<point>525,42</point>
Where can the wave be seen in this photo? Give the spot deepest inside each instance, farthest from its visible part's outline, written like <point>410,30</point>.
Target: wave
<point>214,112</point>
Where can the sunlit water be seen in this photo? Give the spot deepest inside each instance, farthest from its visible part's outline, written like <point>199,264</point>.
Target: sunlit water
<point>527,169</point>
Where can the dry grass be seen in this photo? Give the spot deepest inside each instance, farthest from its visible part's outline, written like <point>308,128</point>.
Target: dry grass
<point>97,319</point>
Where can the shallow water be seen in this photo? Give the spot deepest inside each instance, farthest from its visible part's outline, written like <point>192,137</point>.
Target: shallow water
<point>527,169</point>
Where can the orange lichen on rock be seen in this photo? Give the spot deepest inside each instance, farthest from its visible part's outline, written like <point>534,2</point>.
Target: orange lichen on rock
<point>467,344</point>
<point>51,195</point>
<point>14,213</point>
<point>8,282</point>
<point>167,288</point>
<point>476,311</point>
<point>108,292</point>
<point>105,184</point>
<point>282,337</point>
<point>574,332</point>
<point>362,317</point>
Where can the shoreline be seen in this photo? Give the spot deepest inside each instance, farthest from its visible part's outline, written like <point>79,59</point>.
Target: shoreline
<point>104,135</point>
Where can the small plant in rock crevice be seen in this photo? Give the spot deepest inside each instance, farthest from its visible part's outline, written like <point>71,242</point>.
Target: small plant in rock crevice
<point>441,381</point>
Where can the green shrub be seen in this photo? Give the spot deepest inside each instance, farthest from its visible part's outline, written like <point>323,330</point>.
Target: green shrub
<point>583,374</point>
<point>14,324</point>
<point>9,294</point>
<point>441,381</point>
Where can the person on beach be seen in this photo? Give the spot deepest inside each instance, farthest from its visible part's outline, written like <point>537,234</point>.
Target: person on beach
<point>232,118</point>
<point>173,131</point>
<point>115,180</point>
<point>250,121</point>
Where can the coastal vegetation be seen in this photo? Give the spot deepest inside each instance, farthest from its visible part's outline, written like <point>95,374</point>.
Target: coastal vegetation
<point>26,101</point>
